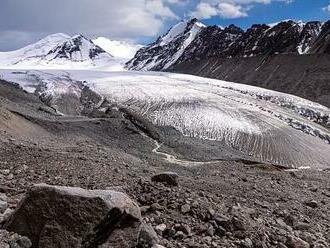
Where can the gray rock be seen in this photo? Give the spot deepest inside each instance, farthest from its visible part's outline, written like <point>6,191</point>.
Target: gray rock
<point>238,224</point>
<point>13,240</point>
<point>74,217</point>
<point>184,228</point>
<point>312,204</point>
<point>281,224</point>
<point>5,172</point>
<point>185,208</point>
<point>6,214</point>
<point>160,228</point>
<point>147,237</point>
<point>169,178</point>
<point>247,243</point>
<point>295,242</point>
<point>220,231</point>
<point>10,176</point>
<point>302,226</point>
<point>3,202</point>
<point>156,207</point>
<point>320,244</point>
<point>210,231</point>
<point>308,237</point>
<point>179,235</point>
<point>20,242</point>
<point>158,246</point>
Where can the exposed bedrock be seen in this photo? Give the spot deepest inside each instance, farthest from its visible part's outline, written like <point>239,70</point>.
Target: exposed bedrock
<point>306,76</point>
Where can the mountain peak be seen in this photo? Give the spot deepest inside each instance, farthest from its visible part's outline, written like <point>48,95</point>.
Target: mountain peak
<point>78,48</point>
<point>57,50</point>
<point>180,29</point>
<point>173,44</point>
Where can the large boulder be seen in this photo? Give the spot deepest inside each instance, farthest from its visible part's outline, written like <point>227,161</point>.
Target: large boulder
<point>56,216</point>
<point>13,240</point>
<point>168,178</point>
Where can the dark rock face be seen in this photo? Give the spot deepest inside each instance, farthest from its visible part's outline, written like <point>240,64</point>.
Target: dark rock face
<point>168,178</point>
<point>78,45</point>
<point>291,57</point>
<point>54,216</point>
<point>306,76</point>
<point>212,41</point>
<point>322,42</point>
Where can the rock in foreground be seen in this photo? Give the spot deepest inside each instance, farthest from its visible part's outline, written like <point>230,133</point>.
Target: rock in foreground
<point>13,240</point>
<point>55,216</point>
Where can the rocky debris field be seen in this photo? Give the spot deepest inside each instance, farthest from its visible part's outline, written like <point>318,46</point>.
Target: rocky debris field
<point>213,206</point>
<point>220,204</point>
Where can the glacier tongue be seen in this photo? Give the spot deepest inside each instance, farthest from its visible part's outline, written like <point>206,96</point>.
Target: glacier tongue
<point>265,125</point>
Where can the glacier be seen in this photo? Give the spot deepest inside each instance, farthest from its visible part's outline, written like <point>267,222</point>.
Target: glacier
<point>265,125</point>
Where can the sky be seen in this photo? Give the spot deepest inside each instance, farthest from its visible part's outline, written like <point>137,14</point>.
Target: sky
<point>23,22</point>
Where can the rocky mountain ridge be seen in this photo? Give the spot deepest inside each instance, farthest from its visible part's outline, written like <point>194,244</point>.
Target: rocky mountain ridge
<point>287,37</point>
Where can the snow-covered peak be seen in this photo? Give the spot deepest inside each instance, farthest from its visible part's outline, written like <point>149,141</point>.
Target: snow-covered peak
<point>173,33</point>
<point>60,51</point>
<point>120,49</point>
<point>163,53</point>
<point>179,29</point>
<point>78,48</point>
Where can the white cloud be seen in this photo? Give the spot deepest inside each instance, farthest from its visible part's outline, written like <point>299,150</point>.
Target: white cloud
<point>204,11</point>
<point>175,1</point>
<point>118,19</point>
<point>244,2</point>
<point>326,8</point>
<point>158,8</point>
<point>224,10</point>
<point>228,9</point>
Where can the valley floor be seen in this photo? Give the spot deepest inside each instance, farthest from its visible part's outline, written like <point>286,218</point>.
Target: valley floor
<point>225,204</point>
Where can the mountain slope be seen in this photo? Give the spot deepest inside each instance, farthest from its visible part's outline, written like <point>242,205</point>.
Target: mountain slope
<point>288,56</point>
